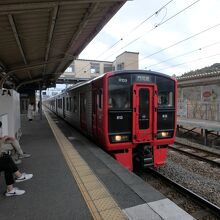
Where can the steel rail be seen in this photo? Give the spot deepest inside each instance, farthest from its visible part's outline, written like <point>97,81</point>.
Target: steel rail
<point>196,198</point>
<point>197,148</point>
<point>197,156</point>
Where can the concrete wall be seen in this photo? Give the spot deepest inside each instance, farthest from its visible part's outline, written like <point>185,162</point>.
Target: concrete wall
<point>209,93</point>
<point>199,102</point>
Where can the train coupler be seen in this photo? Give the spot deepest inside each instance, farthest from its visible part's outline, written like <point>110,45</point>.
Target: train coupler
<point>145,156</point>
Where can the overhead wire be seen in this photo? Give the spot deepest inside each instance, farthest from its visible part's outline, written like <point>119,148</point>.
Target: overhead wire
<point>130,32</point>
<point>139,25</point>
<point>157,25</point>
<point>218,54</point>
<point>179,42</point>
<point>184,54</point>
<point>155,13</point>
<point>172,45</point>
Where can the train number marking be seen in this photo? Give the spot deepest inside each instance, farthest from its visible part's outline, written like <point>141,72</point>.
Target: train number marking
<point>119,117</point>
<point>123,80</point>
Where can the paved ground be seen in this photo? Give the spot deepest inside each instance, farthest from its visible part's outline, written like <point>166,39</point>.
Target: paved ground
<point>53,193</point>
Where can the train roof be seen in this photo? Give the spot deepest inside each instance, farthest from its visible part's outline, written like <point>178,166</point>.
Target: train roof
<point>118,72</point>
<point>142,72</point>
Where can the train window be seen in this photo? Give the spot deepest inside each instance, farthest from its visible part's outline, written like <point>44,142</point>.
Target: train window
<point>119,99</point>
<point>75,104</point>
<point>165,99</point>
<point>144,108</point>
<point>119,96</point>
<point>70,103</point>
<point>166,89</point>
<point>100,99</point>
<point>82,103</point>
<point>94,102</point>
<point>59,103</point>
<point>67,103</point>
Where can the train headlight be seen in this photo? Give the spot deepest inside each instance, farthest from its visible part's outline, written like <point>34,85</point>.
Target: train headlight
<point>164,134</point>
<point>119,138</point>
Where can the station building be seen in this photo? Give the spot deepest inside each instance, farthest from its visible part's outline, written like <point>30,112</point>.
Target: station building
<point>83,69</point>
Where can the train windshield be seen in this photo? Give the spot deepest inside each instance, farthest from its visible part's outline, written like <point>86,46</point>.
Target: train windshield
<point>165,92</point>
<point>165,99</point>
<point>119,96</point>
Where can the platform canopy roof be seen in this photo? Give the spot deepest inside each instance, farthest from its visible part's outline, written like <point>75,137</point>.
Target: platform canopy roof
<point>40,38</point>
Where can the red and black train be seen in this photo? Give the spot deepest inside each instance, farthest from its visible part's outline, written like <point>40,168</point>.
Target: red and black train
<point>130,114</point>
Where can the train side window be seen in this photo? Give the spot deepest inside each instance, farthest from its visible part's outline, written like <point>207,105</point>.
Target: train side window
<point>74,104</point>
<point>67,103</point>
<point>84,104</point>
<point>59,103</point>
<point>70,104</point>
<point>100,98</point>
<point>94,103</point>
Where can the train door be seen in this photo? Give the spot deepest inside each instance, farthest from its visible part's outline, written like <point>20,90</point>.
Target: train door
<point>94,113</point>
<point>144,113</point>
<point>64,106</point>
<point>83,112</point>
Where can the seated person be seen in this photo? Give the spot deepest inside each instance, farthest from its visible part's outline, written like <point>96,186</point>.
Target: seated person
<point>8,166</point>
<point>8,144</point>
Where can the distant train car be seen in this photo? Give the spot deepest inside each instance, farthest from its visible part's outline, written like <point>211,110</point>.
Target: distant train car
<point>130,114</point>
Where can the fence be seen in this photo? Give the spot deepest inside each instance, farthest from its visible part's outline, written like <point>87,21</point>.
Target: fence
<point>199,110</point>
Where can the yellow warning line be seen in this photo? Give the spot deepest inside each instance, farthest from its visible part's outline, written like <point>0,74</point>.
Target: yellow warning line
<point>96,196</point>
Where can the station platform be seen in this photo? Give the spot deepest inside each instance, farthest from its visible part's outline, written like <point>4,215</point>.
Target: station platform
<point>75,179</point>
<point>207,127</point>
<point>199,123</point>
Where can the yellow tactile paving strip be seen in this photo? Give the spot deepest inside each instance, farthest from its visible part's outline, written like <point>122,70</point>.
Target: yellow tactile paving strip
<point>96,196</point>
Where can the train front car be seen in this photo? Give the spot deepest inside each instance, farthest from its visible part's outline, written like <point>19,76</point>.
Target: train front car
<point>141,116</point>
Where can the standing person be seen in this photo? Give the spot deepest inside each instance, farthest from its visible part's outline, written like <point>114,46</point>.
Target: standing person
<point>8,166</point>
<point>30,111</point>
<point>39,106</point>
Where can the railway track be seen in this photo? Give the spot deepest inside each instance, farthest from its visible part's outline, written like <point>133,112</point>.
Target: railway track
<point>191,202</point>
<point>201,154</point>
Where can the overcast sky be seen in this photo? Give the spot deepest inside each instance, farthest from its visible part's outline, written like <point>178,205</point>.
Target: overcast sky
<point>201,19</point>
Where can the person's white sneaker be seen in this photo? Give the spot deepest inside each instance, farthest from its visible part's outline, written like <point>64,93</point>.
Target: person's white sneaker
<point>17,161</point>
<point>24,177</point>
<point>15,192</point>
<point>24,155</point>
